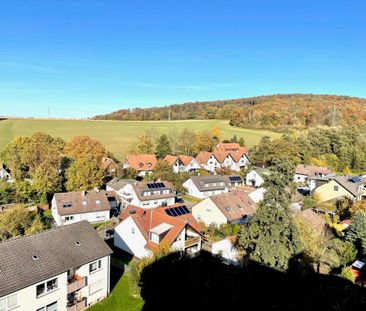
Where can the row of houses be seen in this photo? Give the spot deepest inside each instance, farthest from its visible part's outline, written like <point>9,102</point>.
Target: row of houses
<point>227,155</point>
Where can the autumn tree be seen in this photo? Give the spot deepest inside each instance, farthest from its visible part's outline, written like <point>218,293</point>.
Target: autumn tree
<point>144,144</point>
<point>203,141</point>
<point>84,174</point>
<point>163,147</point>
<point>85,146</point>
<point>46,180</point>
<point>317,244</point>
<point>186,142</point>
<point>14,221</point>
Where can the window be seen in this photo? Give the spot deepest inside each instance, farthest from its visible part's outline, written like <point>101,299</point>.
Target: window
<point>85,203</point>
<point>50,307</point>
<point>95,287</point>
<point>133,230</point>
<point>46,287</point>
<point>67,218</point>
<point>336,188</point>
<point>228,208</point>
<point>66,204</point>
<point>95,266</point>
<point>97,201</point>
<point>8,302</point>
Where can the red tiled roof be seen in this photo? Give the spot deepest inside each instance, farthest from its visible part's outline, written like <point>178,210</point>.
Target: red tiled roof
<point>227,147</point>
<point>142,162</point>
<point>185,159</point>
<point>170,159</point>
<point>148,219</point>
<point>203,157</point>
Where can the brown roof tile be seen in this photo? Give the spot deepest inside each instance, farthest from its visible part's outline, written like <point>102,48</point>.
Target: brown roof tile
<point>94,202</point>
<point>235,204</point>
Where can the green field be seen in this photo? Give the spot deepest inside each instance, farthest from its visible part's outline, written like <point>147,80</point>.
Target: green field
<point>118,136</point>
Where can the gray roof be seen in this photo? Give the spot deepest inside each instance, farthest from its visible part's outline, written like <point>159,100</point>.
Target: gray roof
<point>117,184</point>
<point>350,186</point>
<point>201,181</point>
<point>56,250</point>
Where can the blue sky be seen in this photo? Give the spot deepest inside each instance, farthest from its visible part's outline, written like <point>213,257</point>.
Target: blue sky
<point>86,57</point>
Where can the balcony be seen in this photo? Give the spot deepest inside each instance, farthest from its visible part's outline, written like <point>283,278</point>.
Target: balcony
<point>76,305</point>
<point>75,283</point>
<point>192,241</point>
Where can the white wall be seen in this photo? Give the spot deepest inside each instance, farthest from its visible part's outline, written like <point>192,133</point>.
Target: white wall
<point>92,217</point>
<point>193,166</point>
<point>253,175</point>
<point>27,297</point>
<point>226,250</point>
<point>129,197</point>
<point>207,212</point>
<point>128,237</point>
<point>5,175</point>
<point>300,178</point>
<point>194,191</point>
<point>212,164</point>
<point>257,195</point>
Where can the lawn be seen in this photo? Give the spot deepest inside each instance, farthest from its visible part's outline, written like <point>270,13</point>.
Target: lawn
<point>118,136</point>
<point>120,298</point>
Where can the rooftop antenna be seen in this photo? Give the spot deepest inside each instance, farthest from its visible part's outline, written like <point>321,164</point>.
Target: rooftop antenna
<point>169,114</point>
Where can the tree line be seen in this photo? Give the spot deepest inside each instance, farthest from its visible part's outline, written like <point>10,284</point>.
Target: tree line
<point>42,165</point>
<point>275,112</point>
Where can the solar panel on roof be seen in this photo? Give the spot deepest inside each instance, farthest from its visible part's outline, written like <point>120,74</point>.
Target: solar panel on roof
<point>169,212</point>
<point>185,209</point>
<point>182,212</point>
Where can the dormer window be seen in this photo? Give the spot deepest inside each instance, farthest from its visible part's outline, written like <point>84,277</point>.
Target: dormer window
<point>228,208</point>
<point>85,203</point>
<point>97,201</point>
<point>66,204</point>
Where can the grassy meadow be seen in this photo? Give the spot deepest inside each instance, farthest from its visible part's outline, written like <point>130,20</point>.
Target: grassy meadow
<point>119,136</point>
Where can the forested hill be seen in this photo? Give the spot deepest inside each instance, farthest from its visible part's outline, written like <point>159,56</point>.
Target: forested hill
<point>276,112</point>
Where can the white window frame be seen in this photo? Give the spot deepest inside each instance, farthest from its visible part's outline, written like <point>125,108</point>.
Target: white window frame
<point>46,290</point>
<point>6,302</point>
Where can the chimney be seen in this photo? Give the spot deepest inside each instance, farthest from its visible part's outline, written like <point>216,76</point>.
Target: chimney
<point>96,189</point>
<point>83,193</point>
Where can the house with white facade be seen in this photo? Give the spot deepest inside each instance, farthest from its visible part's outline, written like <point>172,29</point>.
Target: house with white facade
<point>148,194</point>
<point>208,161</point>
<point>63,269</point>
<point>304,172</point>
<point>258,194</point>
<point>255,177</point>
<point>141,232</point>
<point>225,249</point>
<point>5,173</point>
<point>234,207</point>
<point>143,164</point>
<point>204,186</point>
<point>75,206</point>
<point>182,163</point>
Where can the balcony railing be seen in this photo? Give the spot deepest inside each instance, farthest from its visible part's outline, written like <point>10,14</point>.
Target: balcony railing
<point>192,241</point>
<point>77,305</point>
<point>75,284</point>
